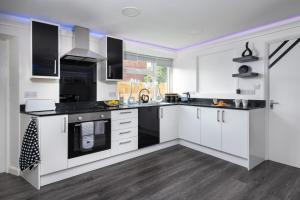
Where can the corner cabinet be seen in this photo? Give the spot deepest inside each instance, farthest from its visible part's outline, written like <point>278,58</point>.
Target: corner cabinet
<point>168,123</point>
<point>45,50</point>
<point>112,67</point>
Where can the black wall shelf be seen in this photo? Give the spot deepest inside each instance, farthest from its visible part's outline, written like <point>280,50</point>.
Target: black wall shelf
<point>246,75</point>
<point>245,59</point>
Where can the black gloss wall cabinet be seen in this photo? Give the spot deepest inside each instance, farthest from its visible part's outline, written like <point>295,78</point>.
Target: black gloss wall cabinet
<point>114,59</point>
<point>45,61</point>
<point>148,127</point>
<point>113,66</point>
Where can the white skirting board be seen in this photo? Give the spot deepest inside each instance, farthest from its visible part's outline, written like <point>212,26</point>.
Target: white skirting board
<point>61,175</point>
<point>14,171</point>
<point>224,156</point>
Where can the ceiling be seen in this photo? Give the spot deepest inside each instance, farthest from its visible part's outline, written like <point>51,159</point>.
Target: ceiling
<point>174,24</point>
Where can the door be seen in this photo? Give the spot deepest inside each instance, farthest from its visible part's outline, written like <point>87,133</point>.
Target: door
<point>211,128</point>
<point>44,49</point>
<point>189,123</point>
<point>3,101</point>
<point>235,132</point>
<point>284,129</point>
<point>114,59</point>
<point>168,123</point>
<point>54,143</point>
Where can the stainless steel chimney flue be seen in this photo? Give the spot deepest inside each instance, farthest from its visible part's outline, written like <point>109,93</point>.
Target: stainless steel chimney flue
<point>81,50</point>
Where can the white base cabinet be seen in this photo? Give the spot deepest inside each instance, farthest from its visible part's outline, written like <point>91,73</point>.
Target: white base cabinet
<point>225,130</point>
<point>211,128</point>
<point>53,133</point>
<point>168,123</point>
<point>124,126</point>
<point>234,135</point>
<point>235,132</point>
<point>189,123</point>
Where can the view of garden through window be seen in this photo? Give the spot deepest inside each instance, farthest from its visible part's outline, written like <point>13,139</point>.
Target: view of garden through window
<point>139,74</point>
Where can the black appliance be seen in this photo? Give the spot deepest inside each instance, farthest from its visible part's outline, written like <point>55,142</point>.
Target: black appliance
<point>79,142</point>
<point>148,126</point>
<point>78,81</point>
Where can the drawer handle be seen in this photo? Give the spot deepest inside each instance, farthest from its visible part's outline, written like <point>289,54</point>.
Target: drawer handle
<point>126,142</point>
<point>125,122</point>
<point>126,132</point>
<point>128,112</point>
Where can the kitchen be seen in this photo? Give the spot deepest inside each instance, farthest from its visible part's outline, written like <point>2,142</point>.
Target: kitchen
<point>96,104</point>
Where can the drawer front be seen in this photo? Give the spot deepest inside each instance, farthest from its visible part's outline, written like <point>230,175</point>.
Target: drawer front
<point>124,114</point>
<point>124,124</point>
<point>124,133</point>
<point>125,145</point>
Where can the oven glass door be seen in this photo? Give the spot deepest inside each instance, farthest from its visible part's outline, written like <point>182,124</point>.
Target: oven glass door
<point>80,143</point>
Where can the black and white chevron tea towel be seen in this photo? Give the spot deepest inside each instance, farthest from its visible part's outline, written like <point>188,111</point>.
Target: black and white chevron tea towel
<point>30,154</point>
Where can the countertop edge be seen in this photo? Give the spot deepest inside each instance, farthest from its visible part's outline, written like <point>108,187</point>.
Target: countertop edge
<point>134,107</point>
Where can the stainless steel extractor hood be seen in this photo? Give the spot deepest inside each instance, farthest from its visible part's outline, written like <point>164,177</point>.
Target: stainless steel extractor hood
<point>81,50</point>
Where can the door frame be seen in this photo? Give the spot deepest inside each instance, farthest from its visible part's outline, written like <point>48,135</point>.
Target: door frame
<point>6,111</point>
<point>267,86</point>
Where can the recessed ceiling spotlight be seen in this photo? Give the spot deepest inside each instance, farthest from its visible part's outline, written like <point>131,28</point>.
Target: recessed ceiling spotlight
<point>130,11</point>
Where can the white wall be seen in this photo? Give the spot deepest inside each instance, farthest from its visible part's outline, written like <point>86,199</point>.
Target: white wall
<point>15,61</point>
<point>4,54</point>
<point>206,70</point>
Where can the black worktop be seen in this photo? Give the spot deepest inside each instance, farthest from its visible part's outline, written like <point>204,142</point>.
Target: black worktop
<point>87,107</point>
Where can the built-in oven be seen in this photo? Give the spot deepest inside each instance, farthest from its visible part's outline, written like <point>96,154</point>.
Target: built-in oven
<point>88,133</point>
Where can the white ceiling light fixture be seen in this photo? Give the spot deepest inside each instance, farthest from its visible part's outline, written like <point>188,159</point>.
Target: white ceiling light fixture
<point>130,11</point>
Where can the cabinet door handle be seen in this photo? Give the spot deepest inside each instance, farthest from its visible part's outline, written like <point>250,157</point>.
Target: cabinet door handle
<point>218,116</point>
<point>161,113</point>
<point>55,71</point>
<point>65,124</point>
<point>223,116</point>
<point>126,142</point>
<point>125,132</point>
<point>127,112</point>
<point>128,122</point>
<point>198,113</point>
<point>109,71</point>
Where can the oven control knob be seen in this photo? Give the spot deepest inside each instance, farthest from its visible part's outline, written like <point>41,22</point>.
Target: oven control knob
<point>101,116</point>
<point>79,118</point>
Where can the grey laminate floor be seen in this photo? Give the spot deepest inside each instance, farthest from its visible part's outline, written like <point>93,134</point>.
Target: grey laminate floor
<point>173,173</point>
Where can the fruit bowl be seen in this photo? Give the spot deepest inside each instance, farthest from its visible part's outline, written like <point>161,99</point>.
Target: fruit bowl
<point>112,103</point>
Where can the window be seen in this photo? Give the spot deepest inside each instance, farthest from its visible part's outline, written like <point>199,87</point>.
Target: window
<point>142,71</point>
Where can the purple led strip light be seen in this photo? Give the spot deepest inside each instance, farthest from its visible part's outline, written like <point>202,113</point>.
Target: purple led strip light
<point>244,32</point>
